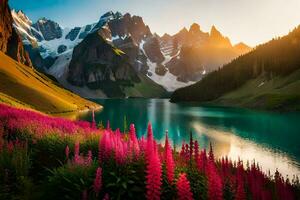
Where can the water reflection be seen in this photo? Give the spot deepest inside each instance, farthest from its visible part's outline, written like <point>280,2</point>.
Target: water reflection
<point>270,138</point>
<point>235,147</point>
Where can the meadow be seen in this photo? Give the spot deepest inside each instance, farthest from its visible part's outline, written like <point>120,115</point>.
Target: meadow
<point>43,157</point>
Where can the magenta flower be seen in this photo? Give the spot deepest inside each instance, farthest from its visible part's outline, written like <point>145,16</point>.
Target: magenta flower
<point>67,152</point>
<point>153,177</point>
<point>183,188</point>
<point>98,181</point>
<point>170,165</point>
<point>76,152</point>
<point>89,158</point>
<point>215,188</point>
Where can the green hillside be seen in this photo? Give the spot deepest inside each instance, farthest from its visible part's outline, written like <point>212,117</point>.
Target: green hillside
<point>146,88</point>
<point>278,93</point>
<point>22,86</point>
<point>275,65</point>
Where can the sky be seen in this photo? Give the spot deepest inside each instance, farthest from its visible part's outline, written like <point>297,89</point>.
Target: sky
<point>250,21</point>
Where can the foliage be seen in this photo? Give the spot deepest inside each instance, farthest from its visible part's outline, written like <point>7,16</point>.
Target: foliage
<point>44,159</point>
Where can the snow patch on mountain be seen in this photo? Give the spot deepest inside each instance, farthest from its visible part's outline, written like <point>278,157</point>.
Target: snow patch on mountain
<point>50,47</point>
<point>168,81</point>
<point>61,64</point>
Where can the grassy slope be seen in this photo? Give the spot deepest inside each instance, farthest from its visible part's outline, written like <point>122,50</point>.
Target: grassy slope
<point>278,93</point>
<point>146,88</point>
<point>22,86</point>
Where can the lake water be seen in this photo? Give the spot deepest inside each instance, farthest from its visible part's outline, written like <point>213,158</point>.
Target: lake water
<point>272,139</point>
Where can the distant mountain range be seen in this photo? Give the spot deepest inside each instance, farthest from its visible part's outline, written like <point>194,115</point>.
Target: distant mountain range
<point>267,77</point>
<point>119,56</point>
<point>21,85</point>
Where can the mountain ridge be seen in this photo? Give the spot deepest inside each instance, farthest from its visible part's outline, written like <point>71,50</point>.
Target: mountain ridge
<point>265,71</point>
<point>151,55</point>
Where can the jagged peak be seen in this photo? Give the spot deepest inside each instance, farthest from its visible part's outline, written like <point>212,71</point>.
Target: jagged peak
<point>111,15</point>
<point>242,47</point>
<point>242,44</point>
<point>195,28</point>
<point>21,15</point>
<point>214,31</point>
<point>166,35</point>
<point>42,20</point>
<point>156,35</point>
<point>183,30</point>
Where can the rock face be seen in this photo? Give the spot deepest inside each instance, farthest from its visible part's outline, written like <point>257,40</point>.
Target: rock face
<point>97,64</point>
<point>73,33</point>
<point>61,48</point>
<point>152,49</point>
<point>5,25</point>
<point>50,30</point>
<point>129,26</point>
<point>10,42</point>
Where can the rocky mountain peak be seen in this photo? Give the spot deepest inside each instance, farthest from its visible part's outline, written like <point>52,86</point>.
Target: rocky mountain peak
<point>48,28</point>
<point>21,16</point>
<point>183,31</point>
<point>214,32</point>
<point>217,39</point>
<point>195,28</point>
<point>110,16</point>
<point>242,48</point>
<point>42,20</point>
<point>129,25</point>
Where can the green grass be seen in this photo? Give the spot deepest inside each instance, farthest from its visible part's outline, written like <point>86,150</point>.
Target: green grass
<point>146,88</point>
<point>22,86</point>
<point>276,93</point>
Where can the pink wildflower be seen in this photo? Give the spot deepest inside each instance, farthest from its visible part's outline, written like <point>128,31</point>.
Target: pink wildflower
<point>183,188</point>
<point>153,177</point>
<point>98,181</point>
<point>89,158</point>
<point>170,165</point>
<point>67,152</point>
<point>215,191</point>
<point>76,152</point>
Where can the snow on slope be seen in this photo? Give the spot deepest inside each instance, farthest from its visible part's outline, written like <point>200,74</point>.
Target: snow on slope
<point>50,47</point>
<point>61,64</point>
<point>168,81</point>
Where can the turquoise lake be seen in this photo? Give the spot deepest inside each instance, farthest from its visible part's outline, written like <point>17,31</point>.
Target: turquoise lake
<point>272,139</point>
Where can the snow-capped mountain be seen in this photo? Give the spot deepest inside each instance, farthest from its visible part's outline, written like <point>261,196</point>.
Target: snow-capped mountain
<point>51,39</point>
<point>169,61</point>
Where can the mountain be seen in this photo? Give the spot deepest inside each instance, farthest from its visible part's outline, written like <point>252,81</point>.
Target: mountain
<point>167,62</point>
<point>198,53</point>
<point>97,64</point>
<point>22,85</point>
<point>10,43</point>
<point>268,77</point>
<point>241,48</point>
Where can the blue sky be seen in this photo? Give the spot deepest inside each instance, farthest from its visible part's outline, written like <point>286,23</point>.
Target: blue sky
<point>250,21</point>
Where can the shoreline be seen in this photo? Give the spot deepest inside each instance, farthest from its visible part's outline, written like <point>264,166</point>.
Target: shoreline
<point>78,111</point>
